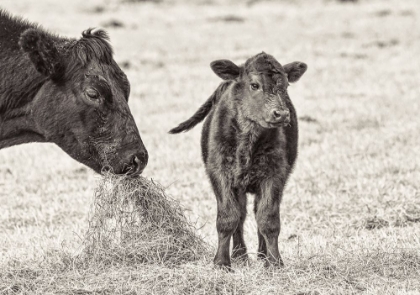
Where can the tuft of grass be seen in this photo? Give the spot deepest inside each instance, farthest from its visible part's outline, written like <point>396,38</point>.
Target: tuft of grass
<point>133,221</point>
<point>142,1</point>
<point>228,19</point>
<point>113,23</point>
<point>383,13</point>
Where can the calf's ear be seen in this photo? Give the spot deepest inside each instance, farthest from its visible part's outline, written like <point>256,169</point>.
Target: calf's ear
<point>295,70</point>
<point>225,69</point>
<point>42,52</point>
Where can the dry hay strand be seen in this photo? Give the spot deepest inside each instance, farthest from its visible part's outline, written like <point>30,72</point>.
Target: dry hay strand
<point>133,221</point>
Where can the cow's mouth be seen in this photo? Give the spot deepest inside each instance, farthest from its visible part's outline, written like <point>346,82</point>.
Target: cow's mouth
<point>131,170</point>
<point>282,123</point>
<point>132,165</point>
<point>136,164</point>
<point>106,169</point>
<point>128,170</point>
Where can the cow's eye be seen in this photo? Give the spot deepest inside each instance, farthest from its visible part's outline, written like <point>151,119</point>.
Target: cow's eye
<point>92,93</point>
<point>255,86</point>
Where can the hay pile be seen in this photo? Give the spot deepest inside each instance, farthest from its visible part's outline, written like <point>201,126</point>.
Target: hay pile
<point>133,221</point>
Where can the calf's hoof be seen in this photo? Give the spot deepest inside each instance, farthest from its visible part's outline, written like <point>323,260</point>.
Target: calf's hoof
<point>239,254</point>
<point>224,267</point>
<point>262,256</point>
<point>272,262</point>
<point>223,264</point>
<point>242,260</point>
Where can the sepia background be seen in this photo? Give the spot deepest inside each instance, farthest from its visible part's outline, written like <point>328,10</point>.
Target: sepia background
<point>351,210</point>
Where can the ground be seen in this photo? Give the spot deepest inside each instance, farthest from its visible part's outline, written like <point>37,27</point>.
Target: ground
<point>351,211</point>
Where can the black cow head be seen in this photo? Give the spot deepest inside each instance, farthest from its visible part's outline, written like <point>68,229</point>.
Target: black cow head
<point>82,104</point>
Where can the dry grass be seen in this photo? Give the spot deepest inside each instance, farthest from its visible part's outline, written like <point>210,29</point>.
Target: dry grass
<point>133,221</point>
<point>350,213</point>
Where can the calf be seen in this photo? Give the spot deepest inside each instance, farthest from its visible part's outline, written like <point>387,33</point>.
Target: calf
<point>69,92</point>
<point>249,145</point>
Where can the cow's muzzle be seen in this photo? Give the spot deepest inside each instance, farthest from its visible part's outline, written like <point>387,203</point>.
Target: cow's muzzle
<point>279,117</point>
<point>135,164</point>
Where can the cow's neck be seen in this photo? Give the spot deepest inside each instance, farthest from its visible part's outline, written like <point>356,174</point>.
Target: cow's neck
<point>250,138</point>
<point>17,95</point>
<point>247,134</point>
<point>18,127</point>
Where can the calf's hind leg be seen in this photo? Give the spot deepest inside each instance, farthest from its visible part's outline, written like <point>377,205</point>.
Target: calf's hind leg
<point>267,213</point>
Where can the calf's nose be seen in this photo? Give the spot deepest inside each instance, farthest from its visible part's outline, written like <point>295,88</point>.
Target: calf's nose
<point>280,115</point>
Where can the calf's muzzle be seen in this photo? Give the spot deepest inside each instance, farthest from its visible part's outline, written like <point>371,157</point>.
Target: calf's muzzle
<point>280,116</point>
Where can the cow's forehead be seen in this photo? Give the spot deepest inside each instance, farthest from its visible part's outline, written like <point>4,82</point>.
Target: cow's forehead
<point>270,72</point>
<point>264,64</point>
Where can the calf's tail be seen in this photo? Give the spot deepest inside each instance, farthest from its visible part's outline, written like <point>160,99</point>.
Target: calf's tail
<point>202,112</point>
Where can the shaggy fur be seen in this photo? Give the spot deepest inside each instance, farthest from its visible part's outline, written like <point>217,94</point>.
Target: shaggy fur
<point>69,92</point>
<point>249,145</point>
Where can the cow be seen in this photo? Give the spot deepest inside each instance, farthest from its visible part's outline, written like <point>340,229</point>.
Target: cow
<point>249,145</point>
<point>69,92</point>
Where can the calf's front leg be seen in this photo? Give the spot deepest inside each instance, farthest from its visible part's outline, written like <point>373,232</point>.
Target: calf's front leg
<point>239,248</point>
<point>228,218</point>
<point>267,213</point>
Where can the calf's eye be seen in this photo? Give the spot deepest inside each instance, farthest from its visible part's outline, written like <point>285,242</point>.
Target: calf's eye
<point>255,86</point>
<point>92,93</point>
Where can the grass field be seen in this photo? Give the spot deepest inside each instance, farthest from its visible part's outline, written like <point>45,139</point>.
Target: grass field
<point>351,211</point>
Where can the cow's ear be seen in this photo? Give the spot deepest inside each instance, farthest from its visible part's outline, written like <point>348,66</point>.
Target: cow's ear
<point>225,69</point>
<point>42,52</point>
<point>295,70</point>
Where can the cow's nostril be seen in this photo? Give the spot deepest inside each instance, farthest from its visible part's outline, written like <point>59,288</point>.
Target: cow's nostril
<point>137,164</point>
<point>280,115</point>
<point>276,114</point>
<point>142,158</point>
<point>136,161</point>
